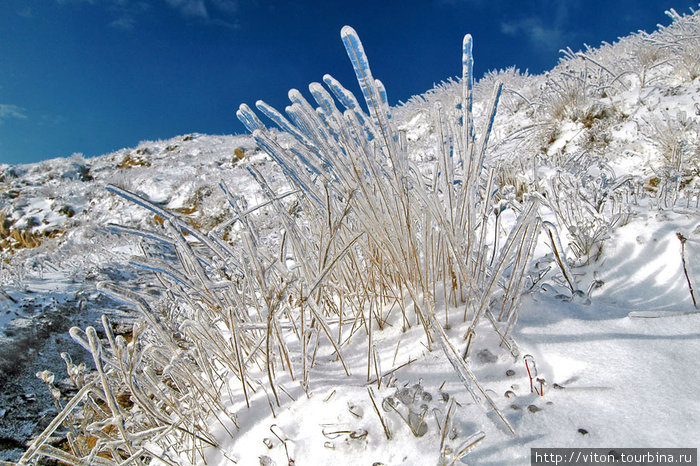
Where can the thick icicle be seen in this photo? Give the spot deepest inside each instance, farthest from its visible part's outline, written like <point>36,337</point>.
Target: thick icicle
<point>136,199</point>
<point>368,85</point>
<point>489,127</point>
<point>279,119</point>
<point>349,101</point>
<point>467,90</point>
<point>248,118</point>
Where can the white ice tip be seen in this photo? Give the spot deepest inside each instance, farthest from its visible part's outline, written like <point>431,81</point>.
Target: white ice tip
<point>293,94</point>
<point>347,31</point>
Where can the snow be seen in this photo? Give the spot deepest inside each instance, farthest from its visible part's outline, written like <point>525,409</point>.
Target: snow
<point>618,365</point>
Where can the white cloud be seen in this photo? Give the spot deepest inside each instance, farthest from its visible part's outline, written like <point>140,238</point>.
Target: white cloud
<point>216,12</point>
<point>540,35</point>
<point>125,22</point>
<point>225,6</point>
<point>8,111</point>
<point>25,12</point>
<point>127,12</point>
<point>204,8</point>
<point>190,8</point>
<point>549,33</point>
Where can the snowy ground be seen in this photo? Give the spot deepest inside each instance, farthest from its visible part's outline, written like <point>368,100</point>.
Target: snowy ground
<point>618,366</point>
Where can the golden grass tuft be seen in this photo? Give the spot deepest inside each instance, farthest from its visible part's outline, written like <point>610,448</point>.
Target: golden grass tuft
<point>130,161</point>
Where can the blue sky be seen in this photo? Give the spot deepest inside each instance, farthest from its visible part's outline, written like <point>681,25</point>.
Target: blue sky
<point>93,76</point>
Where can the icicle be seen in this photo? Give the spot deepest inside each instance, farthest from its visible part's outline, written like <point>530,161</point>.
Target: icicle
<point>113,227</point>
<point>368,86</point>
<point>324,99</point>
<point>358,58</point>
<point>312,168</point>
<point>559,255</point>
<point>248,118</point>
<point>273,149</point>
<point>489,127</point>
<point>157,266</point>
<point>349,101</point>
<point>467,89</point>
<point>296,98</point>
<point>279,119</point>
<point>383,96</point>
<point>315,124</point>
<point>295,113</point>
<point>136,199</point>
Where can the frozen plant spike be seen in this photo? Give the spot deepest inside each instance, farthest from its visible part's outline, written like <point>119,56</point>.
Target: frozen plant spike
<point>324,100</point>
<point>492,117</point>
<point>467,89</point>
<point>553,236</point>
<point>249,119</point>
<point>136,199</point>
<point>279,120</point>
<point>113,227</point>
<point>467,446</point>
<point>368,85</point>
<point>358,58</point>
<point>465,374</point>
<point>350,103</point>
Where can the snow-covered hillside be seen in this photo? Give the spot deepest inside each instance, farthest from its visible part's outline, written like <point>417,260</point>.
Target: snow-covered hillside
<point>576,307</point>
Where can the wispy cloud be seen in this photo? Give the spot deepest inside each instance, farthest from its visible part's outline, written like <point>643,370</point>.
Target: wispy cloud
<point>190,8</point>
<point>8,111</point>
<point>545,33</point>
<point>474,3</point>
<point>25,12</point>
<point>127,13</point>
<point>542,36</point>
<point>226,6</point>
<point>205,9</point>
<point>124,22</point>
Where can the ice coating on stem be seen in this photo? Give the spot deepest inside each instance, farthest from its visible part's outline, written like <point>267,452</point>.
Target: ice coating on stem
<point>248,118</point>
<point>324,99</point>
<point>358,58</point>
<point>468,87</point>
<point>349,101</point>
<point>278,118</point>
<point>492,117</point>
<point>368,85</point>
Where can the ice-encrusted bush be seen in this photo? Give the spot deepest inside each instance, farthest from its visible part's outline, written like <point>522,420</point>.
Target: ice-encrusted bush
<point>589,201</point>
<point>362,228</point>
<point>677,139</point>
<point>681,40</point>
<point>407,213</point>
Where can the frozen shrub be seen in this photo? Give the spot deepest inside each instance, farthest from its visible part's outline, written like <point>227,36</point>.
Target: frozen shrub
<point>588,201</point>
<point>678,141</point>
<point>357,207</point>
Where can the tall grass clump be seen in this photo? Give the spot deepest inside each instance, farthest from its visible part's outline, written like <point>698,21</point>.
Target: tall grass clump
<point>363,230</point>
<point>421,229</point>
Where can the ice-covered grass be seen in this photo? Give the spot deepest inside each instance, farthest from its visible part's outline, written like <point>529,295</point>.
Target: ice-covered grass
<point>371,297</point>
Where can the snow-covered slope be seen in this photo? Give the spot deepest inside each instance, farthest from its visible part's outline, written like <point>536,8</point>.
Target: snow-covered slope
<point>49,271</point>
<point>608,140</point>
